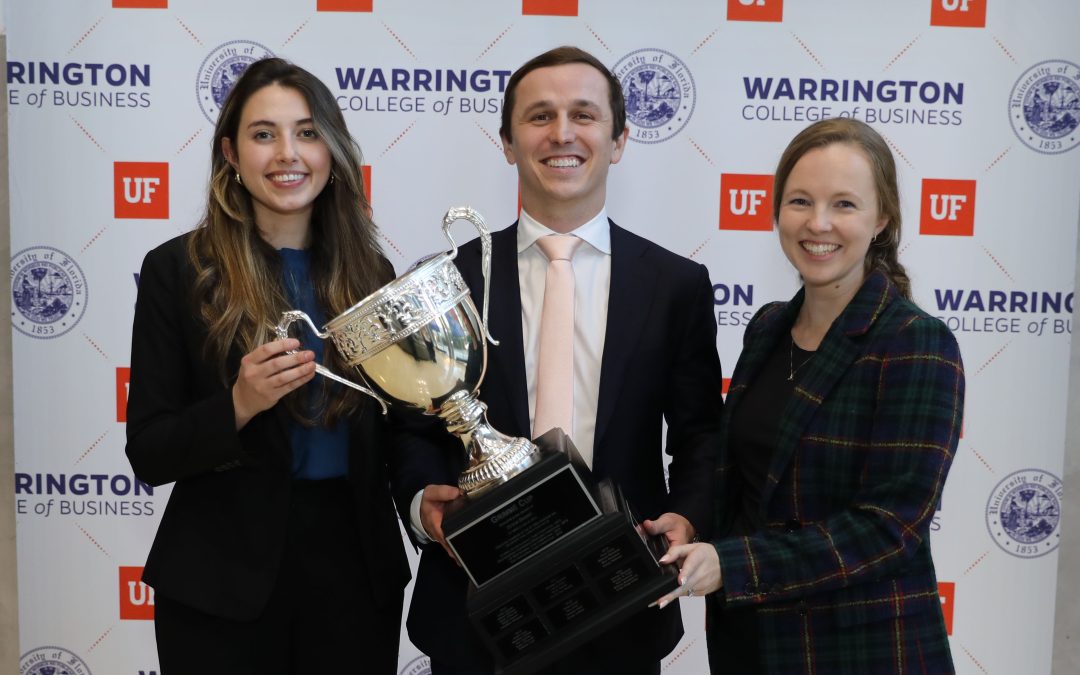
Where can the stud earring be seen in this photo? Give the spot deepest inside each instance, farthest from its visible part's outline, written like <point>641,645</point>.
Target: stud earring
<point>238,181</point>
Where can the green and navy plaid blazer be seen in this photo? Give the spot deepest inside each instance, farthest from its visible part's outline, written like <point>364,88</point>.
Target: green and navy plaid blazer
<point>841,575</point>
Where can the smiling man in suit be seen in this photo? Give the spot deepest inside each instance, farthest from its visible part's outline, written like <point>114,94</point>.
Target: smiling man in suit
<point>643,352</point>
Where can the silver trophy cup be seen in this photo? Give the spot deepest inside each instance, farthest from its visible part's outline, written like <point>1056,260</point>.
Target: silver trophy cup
<point>418,342</point>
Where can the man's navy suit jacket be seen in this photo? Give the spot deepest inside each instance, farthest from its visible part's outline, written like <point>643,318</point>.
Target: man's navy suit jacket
<point>659,363</point>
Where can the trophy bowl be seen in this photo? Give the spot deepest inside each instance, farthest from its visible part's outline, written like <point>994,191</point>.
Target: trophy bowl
<point>419,342</point>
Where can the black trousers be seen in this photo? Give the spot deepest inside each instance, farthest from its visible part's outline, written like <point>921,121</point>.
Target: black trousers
<point>564,668</point>
<point>590,660</point>
<point>320,616</point>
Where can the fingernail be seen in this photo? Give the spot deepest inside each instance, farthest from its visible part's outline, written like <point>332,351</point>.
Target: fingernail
<point>663,604</point>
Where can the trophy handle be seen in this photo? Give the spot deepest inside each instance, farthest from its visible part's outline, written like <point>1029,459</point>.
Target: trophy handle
<point>282,332</point>
<point>471,215</point>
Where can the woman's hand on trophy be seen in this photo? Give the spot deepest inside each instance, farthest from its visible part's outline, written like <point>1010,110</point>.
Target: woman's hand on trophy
<point>433,506</point>
<point>699,571</point>
<point>268,373</point>
<point>675,528</point>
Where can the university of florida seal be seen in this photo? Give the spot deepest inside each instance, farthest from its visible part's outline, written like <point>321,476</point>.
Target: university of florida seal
<point>660,94</point>
<point>48,290</point>
<point>52,661</point>
<point>421,665</point>
<point>221,69</point>
<point>1023,514</point>
<point>1044,107</point>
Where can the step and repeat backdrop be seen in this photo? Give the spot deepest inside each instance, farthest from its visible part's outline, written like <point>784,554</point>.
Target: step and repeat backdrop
<point>111,107</point>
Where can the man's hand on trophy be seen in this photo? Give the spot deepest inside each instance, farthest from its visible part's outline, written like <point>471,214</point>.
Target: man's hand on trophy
<point>675,528</point>
<point>433,507</point>
<point>699,571</point>
<point>267,373</point>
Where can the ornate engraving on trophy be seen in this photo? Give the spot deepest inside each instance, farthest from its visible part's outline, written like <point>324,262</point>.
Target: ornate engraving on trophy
<point>419,342</point>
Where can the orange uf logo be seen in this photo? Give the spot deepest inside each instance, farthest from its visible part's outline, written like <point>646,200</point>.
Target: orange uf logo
<point>140,4</point>
<point>947,592</point>
<point>365,173</point>
<point>958,13</point>
<point>141,189</point>
<point>948,207</point>
<point>123,379</point>
<point>755,10</point>
<point>549,7</point>
<point>136,598</point>
<point>343,5</point>
<point>746,202</point>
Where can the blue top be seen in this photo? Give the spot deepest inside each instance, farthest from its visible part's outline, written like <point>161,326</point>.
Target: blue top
<point>318,452</point>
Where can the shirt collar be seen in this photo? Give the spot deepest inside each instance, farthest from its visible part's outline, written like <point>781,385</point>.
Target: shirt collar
<point>596,232</point>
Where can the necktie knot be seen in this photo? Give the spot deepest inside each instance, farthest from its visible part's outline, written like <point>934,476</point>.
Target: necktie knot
<point>558,246</point>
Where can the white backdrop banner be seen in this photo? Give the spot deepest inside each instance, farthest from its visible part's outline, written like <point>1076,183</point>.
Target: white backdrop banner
<point>111,107</point>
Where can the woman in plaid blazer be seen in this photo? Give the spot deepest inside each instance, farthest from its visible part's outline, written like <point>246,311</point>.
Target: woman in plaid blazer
<point>839,429</point>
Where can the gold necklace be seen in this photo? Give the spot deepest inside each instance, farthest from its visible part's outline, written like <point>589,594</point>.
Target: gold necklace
<point>791,359</point>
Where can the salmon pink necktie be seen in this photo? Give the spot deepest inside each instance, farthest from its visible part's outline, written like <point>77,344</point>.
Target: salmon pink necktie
<point>555,363</point>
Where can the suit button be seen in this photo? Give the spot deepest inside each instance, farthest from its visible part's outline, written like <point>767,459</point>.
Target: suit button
<point>792,525</point>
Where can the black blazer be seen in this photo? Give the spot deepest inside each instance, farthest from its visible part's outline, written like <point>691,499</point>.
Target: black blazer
<point>221,537</point>
<point>659,363</point>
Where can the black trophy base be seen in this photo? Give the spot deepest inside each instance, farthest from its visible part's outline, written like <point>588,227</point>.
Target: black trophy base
<point>576,588</point>
<point>504,526</point>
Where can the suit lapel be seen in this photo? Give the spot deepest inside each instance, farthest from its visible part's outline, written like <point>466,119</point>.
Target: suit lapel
<point>630,297</point>
<point>837,351</point>
<point>504,317</point>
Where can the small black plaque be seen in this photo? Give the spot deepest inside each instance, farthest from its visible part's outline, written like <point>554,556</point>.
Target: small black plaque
<point>507,615</point>
<point>624,577</point>
<point>562,582</point>
<point>521,640</point>
<point>572,609</point>
<point>611,554</point>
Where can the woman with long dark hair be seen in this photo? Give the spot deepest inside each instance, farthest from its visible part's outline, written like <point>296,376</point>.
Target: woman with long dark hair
<point>279,550</point>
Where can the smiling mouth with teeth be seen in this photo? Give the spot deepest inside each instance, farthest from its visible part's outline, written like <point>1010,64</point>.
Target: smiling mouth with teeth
<point>819,249</point>
<point>287,177</point>
<point>563,162</point>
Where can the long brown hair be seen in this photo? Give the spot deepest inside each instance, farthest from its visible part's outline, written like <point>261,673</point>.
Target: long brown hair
<point>238,287</point>
<point>884,251</point>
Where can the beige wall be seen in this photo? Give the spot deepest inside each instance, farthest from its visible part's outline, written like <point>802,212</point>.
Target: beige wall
<point>9,605</point>
<point>1067,613</point>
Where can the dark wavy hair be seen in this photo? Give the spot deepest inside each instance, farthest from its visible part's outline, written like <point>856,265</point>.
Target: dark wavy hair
<point>884,251</point>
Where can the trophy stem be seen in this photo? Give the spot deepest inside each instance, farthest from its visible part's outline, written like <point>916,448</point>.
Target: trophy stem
<point>494,458</point>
